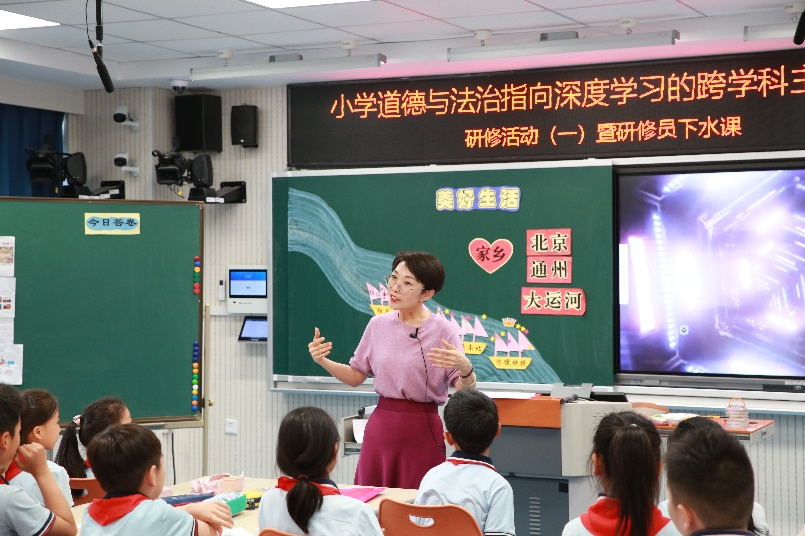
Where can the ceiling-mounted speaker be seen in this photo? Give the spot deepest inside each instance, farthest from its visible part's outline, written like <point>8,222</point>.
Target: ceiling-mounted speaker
<point>244,125</point>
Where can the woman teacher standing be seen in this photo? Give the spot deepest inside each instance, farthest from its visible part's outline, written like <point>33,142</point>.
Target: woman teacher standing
<point>404,436</point>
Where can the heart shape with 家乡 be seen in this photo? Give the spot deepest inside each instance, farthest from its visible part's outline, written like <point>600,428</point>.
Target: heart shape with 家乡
<point>492,256</point>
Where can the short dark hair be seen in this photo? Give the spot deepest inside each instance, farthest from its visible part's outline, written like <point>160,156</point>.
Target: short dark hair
<point>688,425</point>
<point>38,407</point>
<point>121,455</point>
<point>426,268</point>
<point>709,471</point>
<point>471,417</point>
<point>10,408</point>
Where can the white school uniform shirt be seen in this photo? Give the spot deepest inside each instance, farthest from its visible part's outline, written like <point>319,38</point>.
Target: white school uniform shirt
<point>758,517</point>
<point>27,482</point>
<point>601,518</point>
<point>21,514</point>
<point>470,481</point>
<point>143,518</point>
<point>339,515</point>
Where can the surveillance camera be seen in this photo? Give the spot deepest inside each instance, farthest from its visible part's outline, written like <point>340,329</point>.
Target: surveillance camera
<point>121,114</point>
<point>121,159</point>
<point>179,85</point>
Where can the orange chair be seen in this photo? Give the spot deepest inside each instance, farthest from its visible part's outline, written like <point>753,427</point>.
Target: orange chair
<point>274,532</point>
<point>448,520</point>
<point>94,489</point>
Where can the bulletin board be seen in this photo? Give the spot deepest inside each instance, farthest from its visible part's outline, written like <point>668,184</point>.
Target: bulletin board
<point>527,250</point>
<point>106,303</point>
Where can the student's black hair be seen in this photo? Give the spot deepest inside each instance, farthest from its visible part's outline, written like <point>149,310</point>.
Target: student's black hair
<point>688,425</point>
<point>471,417</point>
<point>10,408</point>
<point>427,269</point>
<point>628,446</point>
<point>305,443</point>
<point>709,471</point>
<point>95,418</point>
<point>38,407</point>
<point>121,456</point>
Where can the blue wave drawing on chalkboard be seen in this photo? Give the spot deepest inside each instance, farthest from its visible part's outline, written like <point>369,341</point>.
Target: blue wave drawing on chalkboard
<point>315,230</point>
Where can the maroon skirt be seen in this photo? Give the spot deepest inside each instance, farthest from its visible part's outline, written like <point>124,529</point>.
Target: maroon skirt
<point>403,441</point>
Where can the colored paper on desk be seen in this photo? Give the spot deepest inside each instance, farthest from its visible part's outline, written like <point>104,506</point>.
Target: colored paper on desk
<point>362,494</point>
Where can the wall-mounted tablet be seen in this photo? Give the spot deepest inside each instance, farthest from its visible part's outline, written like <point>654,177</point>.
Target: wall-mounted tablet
<point>254,329</point>
<point>247,290</point>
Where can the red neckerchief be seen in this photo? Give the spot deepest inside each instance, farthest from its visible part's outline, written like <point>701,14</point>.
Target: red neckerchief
<point>286,483</point>
<point>105,511</point>
<point>86,462</point>
<point>456,460</point>
<point>12,471</point>
<point>601,519</point>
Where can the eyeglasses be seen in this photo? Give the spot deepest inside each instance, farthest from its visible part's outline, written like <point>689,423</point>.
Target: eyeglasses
<point>402,287</point>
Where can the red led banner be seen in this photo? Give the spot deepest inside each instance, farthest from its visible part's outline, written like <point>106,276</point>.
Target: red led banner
<point>688,105</point>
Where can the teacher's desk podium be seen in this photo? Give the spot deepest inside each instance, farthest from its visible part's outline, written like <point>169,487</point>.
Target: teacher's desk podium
<point>542,451</point>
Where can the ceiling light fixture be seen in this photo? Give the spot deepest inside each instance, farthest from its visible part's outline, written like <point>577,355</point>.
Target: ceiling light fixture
<point>776,31</point>
<point>14,21</point>
<point>561,46</point>
<point>287,67</point>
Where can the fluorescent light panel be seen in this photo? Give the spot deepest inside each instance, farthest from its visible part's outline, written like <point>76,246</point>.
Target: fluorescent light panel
<point>287,67</point>
<point>282,4</point>
<point>769,31</point>
<point>14,21</point>
<point>560,46</point>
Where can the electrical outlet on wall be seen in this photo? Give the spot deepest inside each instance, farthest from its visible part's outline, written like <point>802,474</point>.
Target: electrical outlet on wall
<point>231,426</point>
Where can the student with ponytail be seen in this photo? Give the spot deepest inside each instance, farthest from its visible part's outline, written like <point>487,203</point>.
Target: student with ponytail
<point>305,500</point>
<point>626,459</point>
<point>95,418</point>
<point>39,423</point>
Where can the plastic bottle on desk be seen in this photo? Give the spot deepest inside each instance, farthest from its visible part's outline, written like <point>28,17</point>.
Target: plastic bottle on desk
<point>737,414</point>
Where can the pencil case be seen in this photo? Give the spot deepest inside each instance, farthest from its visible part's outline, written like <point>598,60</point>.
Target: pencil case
<point>177,500</point>
<point>234,500</point>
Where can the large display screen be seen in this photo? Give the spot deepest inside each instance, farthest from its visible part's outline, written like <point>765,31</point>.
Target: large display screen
<point>711,277</point>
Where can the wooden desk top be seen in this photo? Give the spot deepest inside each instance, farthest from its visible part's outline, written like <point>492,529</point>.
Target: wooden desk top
<point>248,519</point>
<point>757,430</point>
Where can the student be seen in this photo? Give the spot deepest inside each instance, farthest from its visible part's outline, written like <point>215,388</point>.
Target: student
<point>305,500</point>
<point>468,477</point>
<point>128,464</point>
<point>39,424</point>
<point>21,514</point>
<point>626,459</point>
<point>95,418</point>
<point>757,523</point>
<point>711,484</point>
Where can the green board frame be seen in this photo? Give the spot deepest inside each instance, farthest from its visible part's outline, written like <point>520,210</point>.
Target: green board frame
<point>384,211</point>
<point>108,315</point>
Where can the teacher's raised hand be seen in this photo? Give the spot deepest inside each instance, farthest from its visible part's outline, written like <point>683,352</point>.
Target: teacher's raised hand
<point>318,348</point>
<point>450,357</point>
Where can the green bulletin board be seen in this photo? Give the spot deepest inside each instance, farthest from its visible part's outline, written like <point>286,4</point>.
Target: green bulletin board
<point>335,235</point>
<point>108,314</point>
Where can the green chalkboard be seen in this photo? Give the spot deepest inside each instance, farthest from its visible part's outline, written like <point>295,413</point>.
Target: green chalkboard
<point>109,314</point>
<point>335,235</point>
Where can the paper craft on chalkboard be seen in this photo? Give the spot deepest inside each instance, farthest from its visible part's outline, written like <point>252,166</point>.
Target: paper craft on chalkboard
<point>11,364</point>
<point>8,297</point>
<point>491,257</point>
<point>7,256</point>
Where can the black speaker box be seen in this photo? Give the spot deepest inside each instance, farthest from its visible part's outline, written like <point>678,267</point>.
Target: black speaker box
<point>198,123</point>
<point>244,125</point>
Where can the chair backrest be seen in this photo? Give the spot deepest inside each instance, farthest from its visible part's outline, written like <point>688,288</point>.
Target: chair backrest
<point>274,532</point>
<point>448,520</point>
<point>94,489</point>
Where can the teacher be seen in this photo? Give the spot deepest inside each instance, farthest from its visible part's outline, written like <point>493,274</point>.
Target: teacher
<point>404,435</point>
